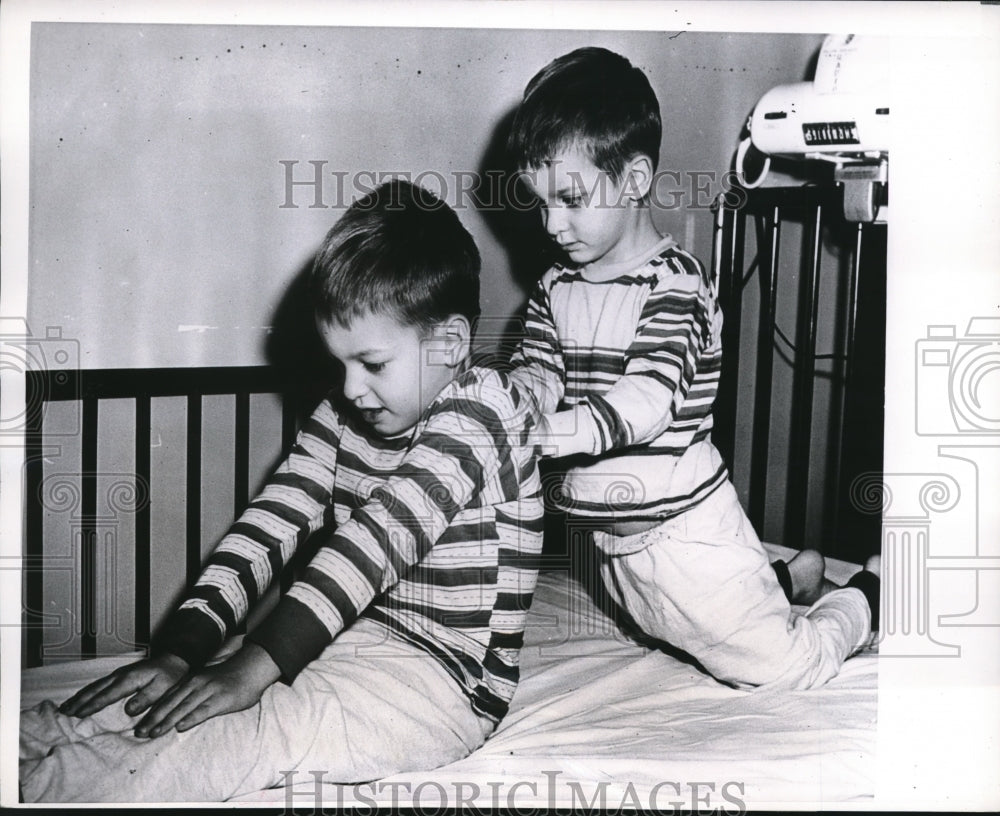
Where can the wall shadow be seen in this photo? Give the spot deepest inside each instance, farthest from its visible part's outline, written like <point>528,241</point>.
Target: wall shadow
<point>513,219</point>
<point>295,349</point>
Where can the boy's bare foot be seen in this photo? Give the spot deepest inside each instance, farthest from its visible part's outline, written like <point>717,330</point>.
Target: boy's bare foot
<point>874,564</point>
<point>809,584</point>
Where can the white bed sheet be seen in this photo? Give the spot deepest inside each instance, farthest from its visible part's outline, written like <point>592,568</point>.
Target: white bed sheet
<point>600,720</point>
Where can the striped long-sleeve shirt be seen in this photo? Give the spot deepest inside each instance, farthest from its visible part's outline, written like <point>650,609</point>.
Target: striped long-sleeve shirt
<point>624,361</point>
<point>434,533</point>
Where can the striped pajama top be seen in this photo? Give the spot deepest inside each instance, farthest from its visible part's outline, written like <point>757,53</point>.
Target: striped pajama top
<point>624,361</point>
<point>434,533</point>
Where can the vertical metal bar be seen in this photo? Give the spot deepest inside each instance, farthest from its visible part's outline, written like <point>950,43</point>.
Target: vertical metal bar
<point>730,233</point>
<point>858,533</point>
<point>34,548</point>
<point>88,531</point>
<point>241,464</point>
<point>852,305</point>
<point>143,519</point>
<point>193,550</point>
<point>843,463</point>
<point>760,439</point>
<point>802,389</point>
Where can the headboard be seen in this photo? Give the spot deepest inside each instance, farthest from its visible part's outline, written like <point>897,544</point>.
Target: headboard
<point>787,238</point>
<point>64,620</point>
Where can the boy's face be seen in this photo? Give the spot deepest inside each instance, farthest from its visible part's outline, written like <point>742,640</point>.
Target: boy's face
<point>584,209</point>
<point>392,370</point>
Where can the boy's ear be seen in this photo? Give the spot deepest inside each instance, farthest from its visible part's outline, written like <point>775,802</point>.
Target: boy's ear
<point>456,331</point>
<point>638,177</point>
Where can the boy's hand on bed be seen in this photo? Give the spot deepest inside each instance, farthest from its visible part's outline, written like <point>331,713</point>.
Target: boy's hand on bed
<point>147,680</point>
<point>233,685</point>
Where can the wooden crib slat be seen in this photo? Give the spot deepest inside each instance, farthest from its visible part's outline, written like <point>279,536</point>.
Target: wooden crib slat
<point>288,428</point>
<point>34,550</point>
<point>241,464</point>
<point>193,488</point>
<point>143,518</point>
<point>288,423</point>
<point>88,531</point>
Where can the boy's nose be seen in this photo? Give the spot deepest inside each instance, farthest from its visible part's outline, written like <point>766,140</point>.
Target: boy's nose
<point>354,384</point>
<point>555,220</point>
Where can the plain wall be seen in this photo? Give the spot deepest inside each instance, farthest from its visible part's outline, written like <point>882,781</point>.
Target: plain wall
<point>158,235</point>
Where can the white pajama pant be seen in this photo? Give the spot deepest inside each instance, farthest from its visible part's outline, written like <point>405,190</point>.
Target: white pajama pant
<point>702,582</point>
<point>370,706</point>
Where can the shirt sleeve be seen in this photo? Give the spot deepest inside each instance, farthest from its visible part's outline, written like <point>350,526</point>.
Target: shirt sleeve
<point>258,546</point>
<point>674,329</point>
<point>538,367</point>
<point>454,453</point>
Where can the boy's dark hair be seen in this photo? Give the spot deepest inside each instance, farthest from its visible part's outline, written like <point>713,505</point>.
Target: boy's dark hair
<point>591,98</point>
<point>399,250</point>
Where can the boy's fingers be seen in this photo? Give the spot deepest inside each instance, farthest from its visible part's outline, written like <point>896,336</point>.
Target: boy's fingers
<point>167,703</point>
<point>143,699</point>
<point>98,695</point>
<point>183,708</point>
<point>198,715</point>
<point>84,695</point>
<point>116,691</point>
<point>213,700</point>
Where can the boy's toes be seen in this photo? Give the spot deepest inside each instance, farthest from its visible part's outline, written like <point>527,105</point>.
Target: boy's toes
<point>874,564</point>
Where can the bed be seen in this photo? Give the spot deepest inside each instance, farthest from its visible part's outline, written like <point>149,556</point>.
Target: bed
<point>603,720</point>
<point>599,720</point>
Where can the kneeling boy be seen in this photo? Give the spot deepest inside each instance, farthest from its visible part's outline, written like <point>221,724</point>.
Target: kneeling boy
<point>623,352</point>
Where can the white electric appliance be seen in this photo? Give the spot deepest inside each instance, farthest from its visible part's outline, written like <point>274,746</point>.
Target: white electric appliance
<point>841,117</point>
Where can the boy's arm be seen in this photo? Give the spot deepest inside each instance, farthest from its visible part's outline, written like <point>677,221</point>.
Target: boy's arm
<point>251,556</point>
<point>454,454</point>
<point>661,365</point>
<point>537,365</point>
<point>240,570</point>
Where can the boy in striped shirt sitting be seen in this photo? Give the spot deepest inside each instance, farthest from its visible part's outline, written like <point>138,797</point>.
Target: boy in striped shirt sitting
<point>622,352</point>
<point>397,648</point>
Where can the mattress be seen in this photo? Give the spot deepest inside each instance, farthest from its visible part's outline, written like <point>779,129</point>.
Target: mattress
<point>603,720</point>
